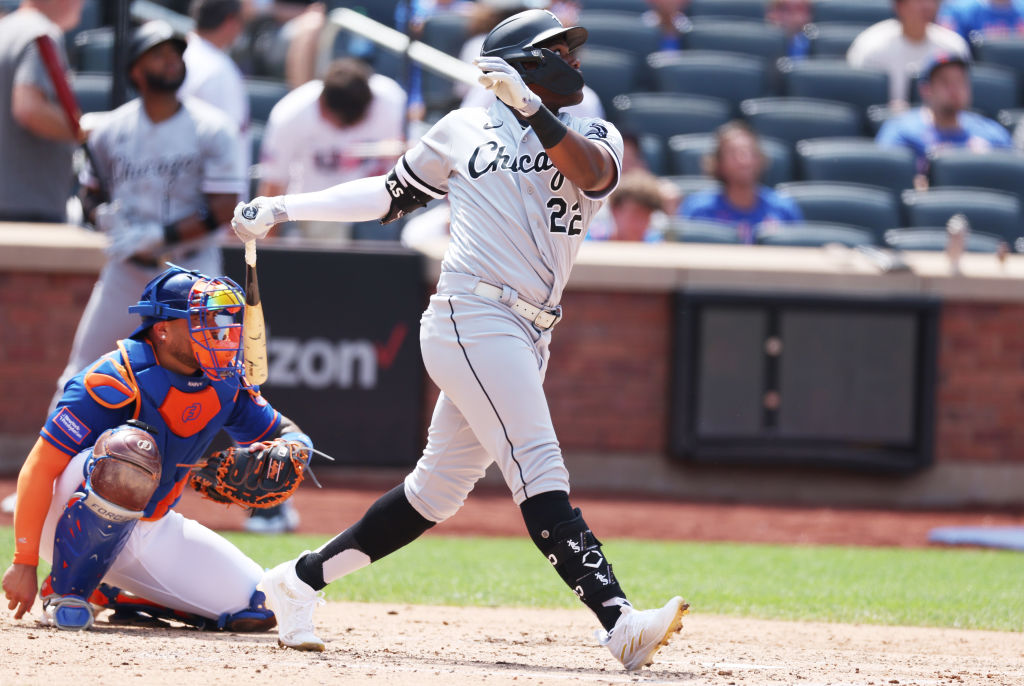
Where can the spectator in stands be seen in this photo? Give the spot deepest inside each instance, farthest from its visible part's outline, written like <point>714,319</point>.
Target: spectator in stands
<point>632,210</point>
<point>738,162</point>
<point>36,141</point>
<point>670,17</point>
<point>347,126</point>
<point>791,16</point>
<point>902,45</point>
<point>943,120</point>
<point>971,18</point>
<point>210,73</point>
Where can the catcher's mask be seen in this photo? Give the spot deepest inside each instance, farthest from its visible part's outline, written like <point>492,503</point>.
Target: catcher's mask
<point>213,308</point>
<point>517,41</point>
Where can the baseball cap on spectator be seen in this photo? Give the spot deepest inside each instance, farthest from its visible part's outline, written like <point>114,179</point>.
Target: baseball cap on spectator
<point>940,60</point>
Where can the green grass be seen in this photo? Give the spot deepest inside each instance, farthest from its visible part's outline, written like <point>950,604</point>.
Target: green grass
<point>977,589</point>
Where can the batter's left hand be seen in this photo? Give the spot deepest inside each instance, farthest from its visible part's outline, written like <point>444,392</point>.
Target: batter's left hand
<point>20,588</point>
<point>506,83</point>
<point>134,239</point>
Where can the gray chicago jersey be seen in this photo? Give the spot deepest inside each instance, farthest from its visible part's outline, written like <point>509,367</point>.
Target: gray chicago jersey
<point>515,219</point>
<point>160,172</point>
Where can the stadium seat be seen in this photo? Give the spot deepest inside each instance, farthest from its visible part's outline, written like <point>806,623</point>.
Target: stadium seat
<point>856,160</point>
<point>792,119</point>
<point>90,19</point>
<point>263,95</point>
<point>936,238</point>
<point>686,185</point>
<point>750,9</point>
<point>620,30</point>
<point>635,6</point>
<point>700,231</point>
<point>1006,51</point>
<point>832,39</point>
<point>652,148</point>
<point>687,154</point>
<point>737,35</point>
<point>1001,170</point>
<point>92,91</point>
<point>94,51</point>
<point>668,114</point>
<point>861,11</point>
<point>988,211</point>
<point>867,207</point>
<point>993,88</point>
<point>834,79</point>
<point>813,234</point>
<point>447,32</point>
<point>609,72</point>
<point>730,76</point>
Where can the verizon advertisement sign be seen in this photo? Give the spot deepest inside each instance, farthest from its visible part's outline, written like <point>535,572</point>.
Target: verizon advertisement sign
<point>343,347</point>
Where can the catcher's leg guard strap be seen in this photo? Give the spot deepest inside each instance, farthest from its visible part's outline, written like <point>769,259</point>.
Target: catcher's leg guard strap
<point>560,532</point>
<point>388,525</point>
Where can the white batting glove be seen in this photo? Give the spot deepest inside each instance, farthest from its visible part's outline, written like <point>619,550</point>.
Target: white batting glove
<point>504,81</point>
<point>141,238</point>
<point>106,216</point>
<point>257,217</point>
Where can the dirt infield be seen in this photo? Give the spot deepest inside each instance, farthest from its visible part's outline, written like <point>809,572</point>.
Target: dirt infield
<point>413,645</point>
<point>419,645</point>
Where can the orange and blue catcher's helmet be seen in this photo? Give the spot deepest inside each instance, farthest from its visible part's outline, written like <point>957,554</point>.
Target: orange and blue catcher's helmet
<point>213,308</point>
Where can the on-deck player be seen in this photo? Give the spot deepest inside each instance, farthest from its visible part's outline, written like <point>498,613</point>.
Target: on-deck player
<point>180,374</point>
<point>174,171</point>
<point>524,183</point>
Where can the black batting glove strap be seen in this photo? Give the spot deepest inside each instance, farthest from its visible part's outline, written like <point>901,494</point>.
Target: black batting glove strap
<point>549,129</point>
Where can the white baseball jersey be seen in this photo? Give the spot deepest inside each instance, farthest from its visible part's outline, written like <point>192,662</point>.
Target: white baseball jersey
<point>515,220</point>
<point>304,152</point>
<point>213,77</point>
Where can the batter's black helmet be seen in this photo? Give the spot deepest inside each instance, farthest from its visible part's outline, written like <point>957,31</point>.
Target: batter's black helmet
<point>516,40</point>
<point>150,35</point>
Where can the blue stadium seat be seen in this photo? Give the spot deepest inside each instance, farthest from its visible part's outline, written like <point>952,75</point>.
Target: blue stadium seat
<point>620,30</point>
<point>749,9</point>
<point>1001,170</point>
<point>813,235</point>
<point>263,95</point>
<point>834,79</point>
<point>832,39</point>
<point>988,211</point>
<point>93,50</point>
<point>92,91</point>
<point>1006,51</point>
<point>854,11</point>
<point>867,207</point>
<point>447,32</point>
<point>727,75</point>
<point>635,6</point>
<point>856,160</point>
<point>792,119</point>
<point>669,114</point>
<point>685,185</point>
<point>993,88</point>
<point>687,153</point>
<point>935,238</point>
<point>738,35</point>
<point>609,72</point>
<point>700,231</point>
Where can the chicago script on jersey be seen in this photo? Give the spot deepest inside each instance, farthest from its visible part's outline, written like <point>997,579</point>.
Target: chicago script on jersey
<point>491,157</point>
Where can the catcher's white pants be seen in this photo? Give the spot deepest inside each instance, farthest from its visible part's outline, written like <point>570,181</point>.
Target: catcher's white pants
<point>174,561</point>
<point>489,364</point>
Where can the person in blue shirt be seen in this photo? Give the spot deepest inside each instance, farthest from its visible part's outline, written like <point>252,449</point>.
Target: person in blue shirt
<point>973,18</point>
<point>145,413</point>
<point>943,120</point>
<point>791,16</point>
<point>743,202</point>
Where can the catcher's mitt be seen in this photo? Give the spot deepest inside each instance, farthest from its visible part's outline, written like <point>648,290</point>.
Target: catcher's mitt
<point>264,478</point>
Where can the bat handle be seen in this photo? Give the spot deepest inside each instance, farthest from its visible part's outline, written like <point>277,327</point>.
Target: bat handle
<point>250,253</point>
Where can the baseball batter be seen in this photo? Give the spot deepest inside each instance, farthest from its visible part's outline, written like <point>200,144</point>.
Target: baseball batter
<point>524,182</point>
<point>96,494</point>
<point>170,173</point>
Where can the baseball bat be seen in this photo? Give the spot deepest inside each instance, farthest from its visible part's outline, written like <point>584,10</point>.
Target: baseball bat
<point>254,345</point>
<point>67,101</point>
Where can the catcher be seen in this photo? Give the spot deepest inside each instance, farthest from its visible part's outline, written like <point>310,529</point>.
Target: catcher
<point>96,493</point>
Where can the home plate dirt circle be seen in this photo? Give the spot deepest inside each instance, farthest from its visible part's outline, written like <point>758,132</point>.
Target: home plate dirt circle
<point>416,645</point>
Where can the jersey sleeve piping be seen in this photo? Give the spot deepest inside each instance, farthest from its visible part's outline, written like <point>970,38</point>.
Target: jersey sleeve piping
<point>409,177</point>
<point>52,440</point>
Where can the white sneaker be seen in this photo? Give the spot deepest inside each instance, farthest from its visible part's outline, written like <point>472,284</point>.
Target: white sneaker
<point>284,520</point>
<point>638,634</point>
<point>293,602</point>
